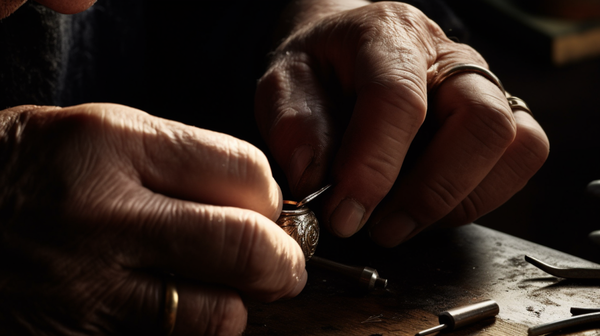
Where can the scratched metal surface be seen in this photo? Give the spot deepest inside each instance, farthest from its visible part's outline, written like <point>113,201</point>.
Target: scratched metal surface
<point>435,271</point>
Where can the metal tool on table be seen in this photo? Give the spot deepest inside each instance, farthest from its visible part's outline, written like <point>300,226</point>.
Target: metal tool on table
<point>580,317</point>
<point>567,273</point>
<point>582,310</point>
<point>593,189</point>
<point>300,223</point>
<point>367,277</point>
<point>463,316</point>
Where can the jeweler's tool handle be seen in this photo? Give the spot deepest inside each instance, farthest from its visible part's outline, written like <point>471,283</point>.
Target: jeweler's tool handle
<point>462,316</point>
<point>367,277</point>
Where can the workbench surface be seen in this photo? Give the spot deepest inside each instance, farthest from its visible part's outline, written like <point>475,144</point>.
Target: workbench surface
<point>435,271</point>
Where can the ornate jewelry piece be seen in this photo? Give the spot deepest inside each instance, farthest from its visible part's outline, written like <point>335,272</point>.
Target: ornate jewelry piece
<point>300,223</point>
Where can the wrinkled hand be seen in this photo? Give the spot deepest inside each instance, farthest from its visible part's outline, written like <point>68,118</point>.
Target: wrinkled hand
<point>343,99</point>
<point>98,202</point>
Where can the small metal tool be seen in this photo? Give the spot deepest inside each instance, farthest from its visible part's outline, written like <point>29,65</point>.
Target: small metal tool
<point>593,189</point>
<point>581,310</point>
<point>367,277</point>
<point>465,315</point>
<point>567,273</point>
<point>572,321</point>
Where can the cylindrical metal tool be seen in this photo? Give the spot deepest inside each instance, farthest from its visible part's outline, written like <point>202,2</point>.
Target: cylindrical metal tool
<point>462,316</point>
<point>568,322</point>
<point>367,277</point>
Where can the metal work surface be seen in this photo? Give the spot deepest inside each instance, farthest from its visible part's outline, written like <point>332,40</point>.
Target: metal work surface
<point>434,272</point>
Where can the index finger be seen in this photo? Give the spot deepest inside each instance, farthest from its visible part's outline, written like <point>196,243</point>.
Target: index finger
<point>390,80</point>
<point>212,244</point>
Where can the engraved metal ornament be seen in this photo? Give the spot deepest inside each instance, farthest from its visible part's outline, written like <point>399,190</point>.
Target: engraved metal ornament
<point>300,223</point>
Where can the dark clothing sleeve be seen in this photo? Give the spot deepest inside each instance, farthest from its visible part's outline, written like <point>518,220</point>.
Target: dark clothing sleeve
<point>196,62</point>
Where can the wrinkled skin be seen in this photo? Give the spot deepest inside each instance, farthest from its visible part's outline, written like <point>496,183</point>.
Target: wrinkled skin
<point>344,98</point>
<point>99,202</point>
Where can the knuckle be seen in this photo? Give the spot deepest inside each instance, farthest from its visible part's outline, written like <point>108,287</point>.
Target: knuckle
<point>533,148</point>
<point>240,162</point>
<point>441,196</point>
<point>403,91</point>
<point>267,260</point>
<point>278,97</point>
<point>281,71</point>
<point>249,246</point>
<point>72,123</point>
<point>501,124</point>
<point>536,144</point>
<point>471,208</point>
<point>228,315</point>
<point>276,80</point>
<point>248,165</point>
<point>493,125</point>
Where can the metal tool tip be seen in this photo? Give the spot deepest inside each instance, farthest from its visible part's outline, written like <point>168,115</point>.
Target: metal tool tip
<point>432,330</point>
<point>381,283</point>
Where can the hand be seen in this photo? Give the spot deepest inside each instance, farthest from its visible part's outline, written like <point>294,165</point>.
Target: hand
<point>346,94</point>
<point>99,202</point>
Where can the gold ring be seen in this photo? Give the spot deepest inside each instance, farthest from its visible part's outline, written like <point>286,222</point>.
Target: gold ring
<point>515,103</point>
<point>460,68</point>
<point>171,302</point>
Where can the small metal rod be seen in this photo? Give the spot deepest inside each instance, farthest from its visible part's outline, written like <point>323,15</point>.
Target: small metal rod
<point>432,330</point>
<point>367,277</point>
<point>567,273</point>
<point>564,323</point>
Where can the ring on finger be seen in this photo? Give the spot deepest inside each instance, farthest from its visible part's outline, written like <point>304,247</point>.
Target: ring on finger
<point>170,308</point>
<point>515,103</point>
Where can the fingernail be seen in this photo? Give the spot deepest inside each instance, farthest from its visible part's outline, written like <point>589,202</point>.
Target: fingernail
<point>393,229</point>
<point>347,217</point>
<point>301,158</point>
